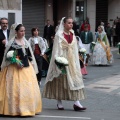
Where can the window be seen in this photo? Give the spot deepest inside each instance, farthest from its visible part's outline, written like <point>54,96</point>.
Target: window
<point>11,19</point>
<point>80,11</point>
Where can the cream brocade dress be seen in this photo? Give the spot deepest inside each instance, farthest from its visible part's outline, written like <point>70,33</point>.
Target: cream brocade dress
<point>19,91</point>
<point>59,88</point>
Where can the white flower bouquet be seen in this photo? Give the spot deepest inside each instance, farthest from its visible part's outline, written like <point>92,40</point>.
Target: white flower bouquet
<point>61,62</point>
<point>13,58</point>
<point>82,50</point>
<point>93,43</point>
<point>82,53</point>
<point>10,54</point>
<point>118,44</point>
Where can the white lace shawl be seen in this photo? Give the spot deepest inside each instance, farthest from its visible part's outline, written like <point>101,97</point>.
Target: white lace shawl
<point>41,44</point>
<point>75,80</point>
<point>6,63</point>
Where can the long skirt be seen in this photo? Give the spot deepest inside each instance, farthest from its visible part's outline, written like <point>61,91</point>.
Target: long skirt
<point>99,56</point>
<point>19,92</point>
<point>59,89</point>
<point>84,71</point>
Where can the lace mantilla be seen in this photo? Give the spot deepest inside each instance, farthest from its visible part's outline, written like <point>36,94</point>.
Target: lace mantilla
<point>16,46</point>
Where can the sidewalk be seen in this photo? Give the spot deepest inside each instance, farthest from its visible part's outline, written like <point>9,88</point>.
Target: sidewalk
<point>109,85</point>
<point>114,48</point>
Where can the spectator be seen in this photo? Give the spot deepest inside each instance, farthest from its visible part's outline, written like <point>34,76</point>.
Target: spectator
<point>109,33</point>
<point>82,26</point>
<point>38,46</point>
<point>114,33</point>
<point>4,35</point>
<point>75,28</point>
<point>118,30</point>
<point>49,33</point>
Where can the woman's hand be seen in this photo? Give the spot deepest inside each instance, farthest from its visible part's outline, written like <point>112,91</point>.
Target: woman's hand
<point>42,55</point>
<point>32,64</point>
<point>4,41</point>
<point>19,66</point>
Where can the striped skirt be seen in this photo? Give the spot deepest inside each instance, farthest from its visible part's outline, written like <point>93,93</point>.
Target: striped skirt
<point>59,89</point>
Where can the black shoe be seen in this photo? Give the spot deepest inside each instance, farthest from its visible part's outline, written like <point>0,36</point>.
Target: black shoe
<point>76,108</point>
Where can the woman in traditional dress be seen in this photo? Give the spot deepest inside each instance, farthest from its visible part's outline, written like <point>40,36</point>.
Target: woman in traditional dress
<point>82,57</point>
<point>38,47</point>
<point>19,90</point>
<point>67,86</point>
<point>101,53</point>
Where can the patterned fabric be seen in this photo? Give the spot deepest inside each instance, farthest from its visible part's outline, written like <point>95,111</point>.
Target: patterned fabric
<point>99,55</point>
<point>41,44</point>
<point>87,47</point>
<point>70,52</point>
<point>23,53</point>
<point>59,89</point>
<point>5,62</point>
<point>19,92</point>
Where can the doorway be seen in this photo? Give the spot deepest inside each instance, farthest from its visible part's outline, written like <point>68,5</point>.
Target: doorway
<point>101,12</point>
<point>55,12</point>
<point>11,19</point>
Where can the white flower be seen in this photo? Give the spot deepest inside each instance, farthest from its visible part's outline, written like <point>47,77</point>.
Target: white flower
<point>83,50</point>
<point>119,43</point>
<point>93,43</point>
<point>10,54</point>
<point>62,60</point>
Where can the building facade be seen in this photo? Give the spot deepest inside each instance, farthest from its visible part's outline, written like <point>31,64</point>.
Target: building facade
<point>34,13</point>
<point>95,10</point>
<point>11,9</point>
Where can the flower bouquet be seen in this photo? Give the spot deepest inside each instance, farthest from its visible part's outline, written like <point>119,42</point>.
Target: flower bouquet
<point>118,45</point>
<point>83,54</point>
<point>92,45</point>
<point>61,62</point>
<point>82,50</point>
<point>13,58</point>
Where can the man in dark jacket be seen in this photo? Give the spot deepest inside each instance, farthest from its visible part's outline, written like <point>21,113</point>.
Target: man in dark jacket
<point>109,33</point>
<point>4,35</point>
<point>118,30</point>
<point>49,33</point>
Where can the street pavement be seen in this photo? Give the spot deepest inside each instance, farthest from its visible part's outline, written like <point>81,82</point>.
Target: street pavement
<point>102,86</point>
